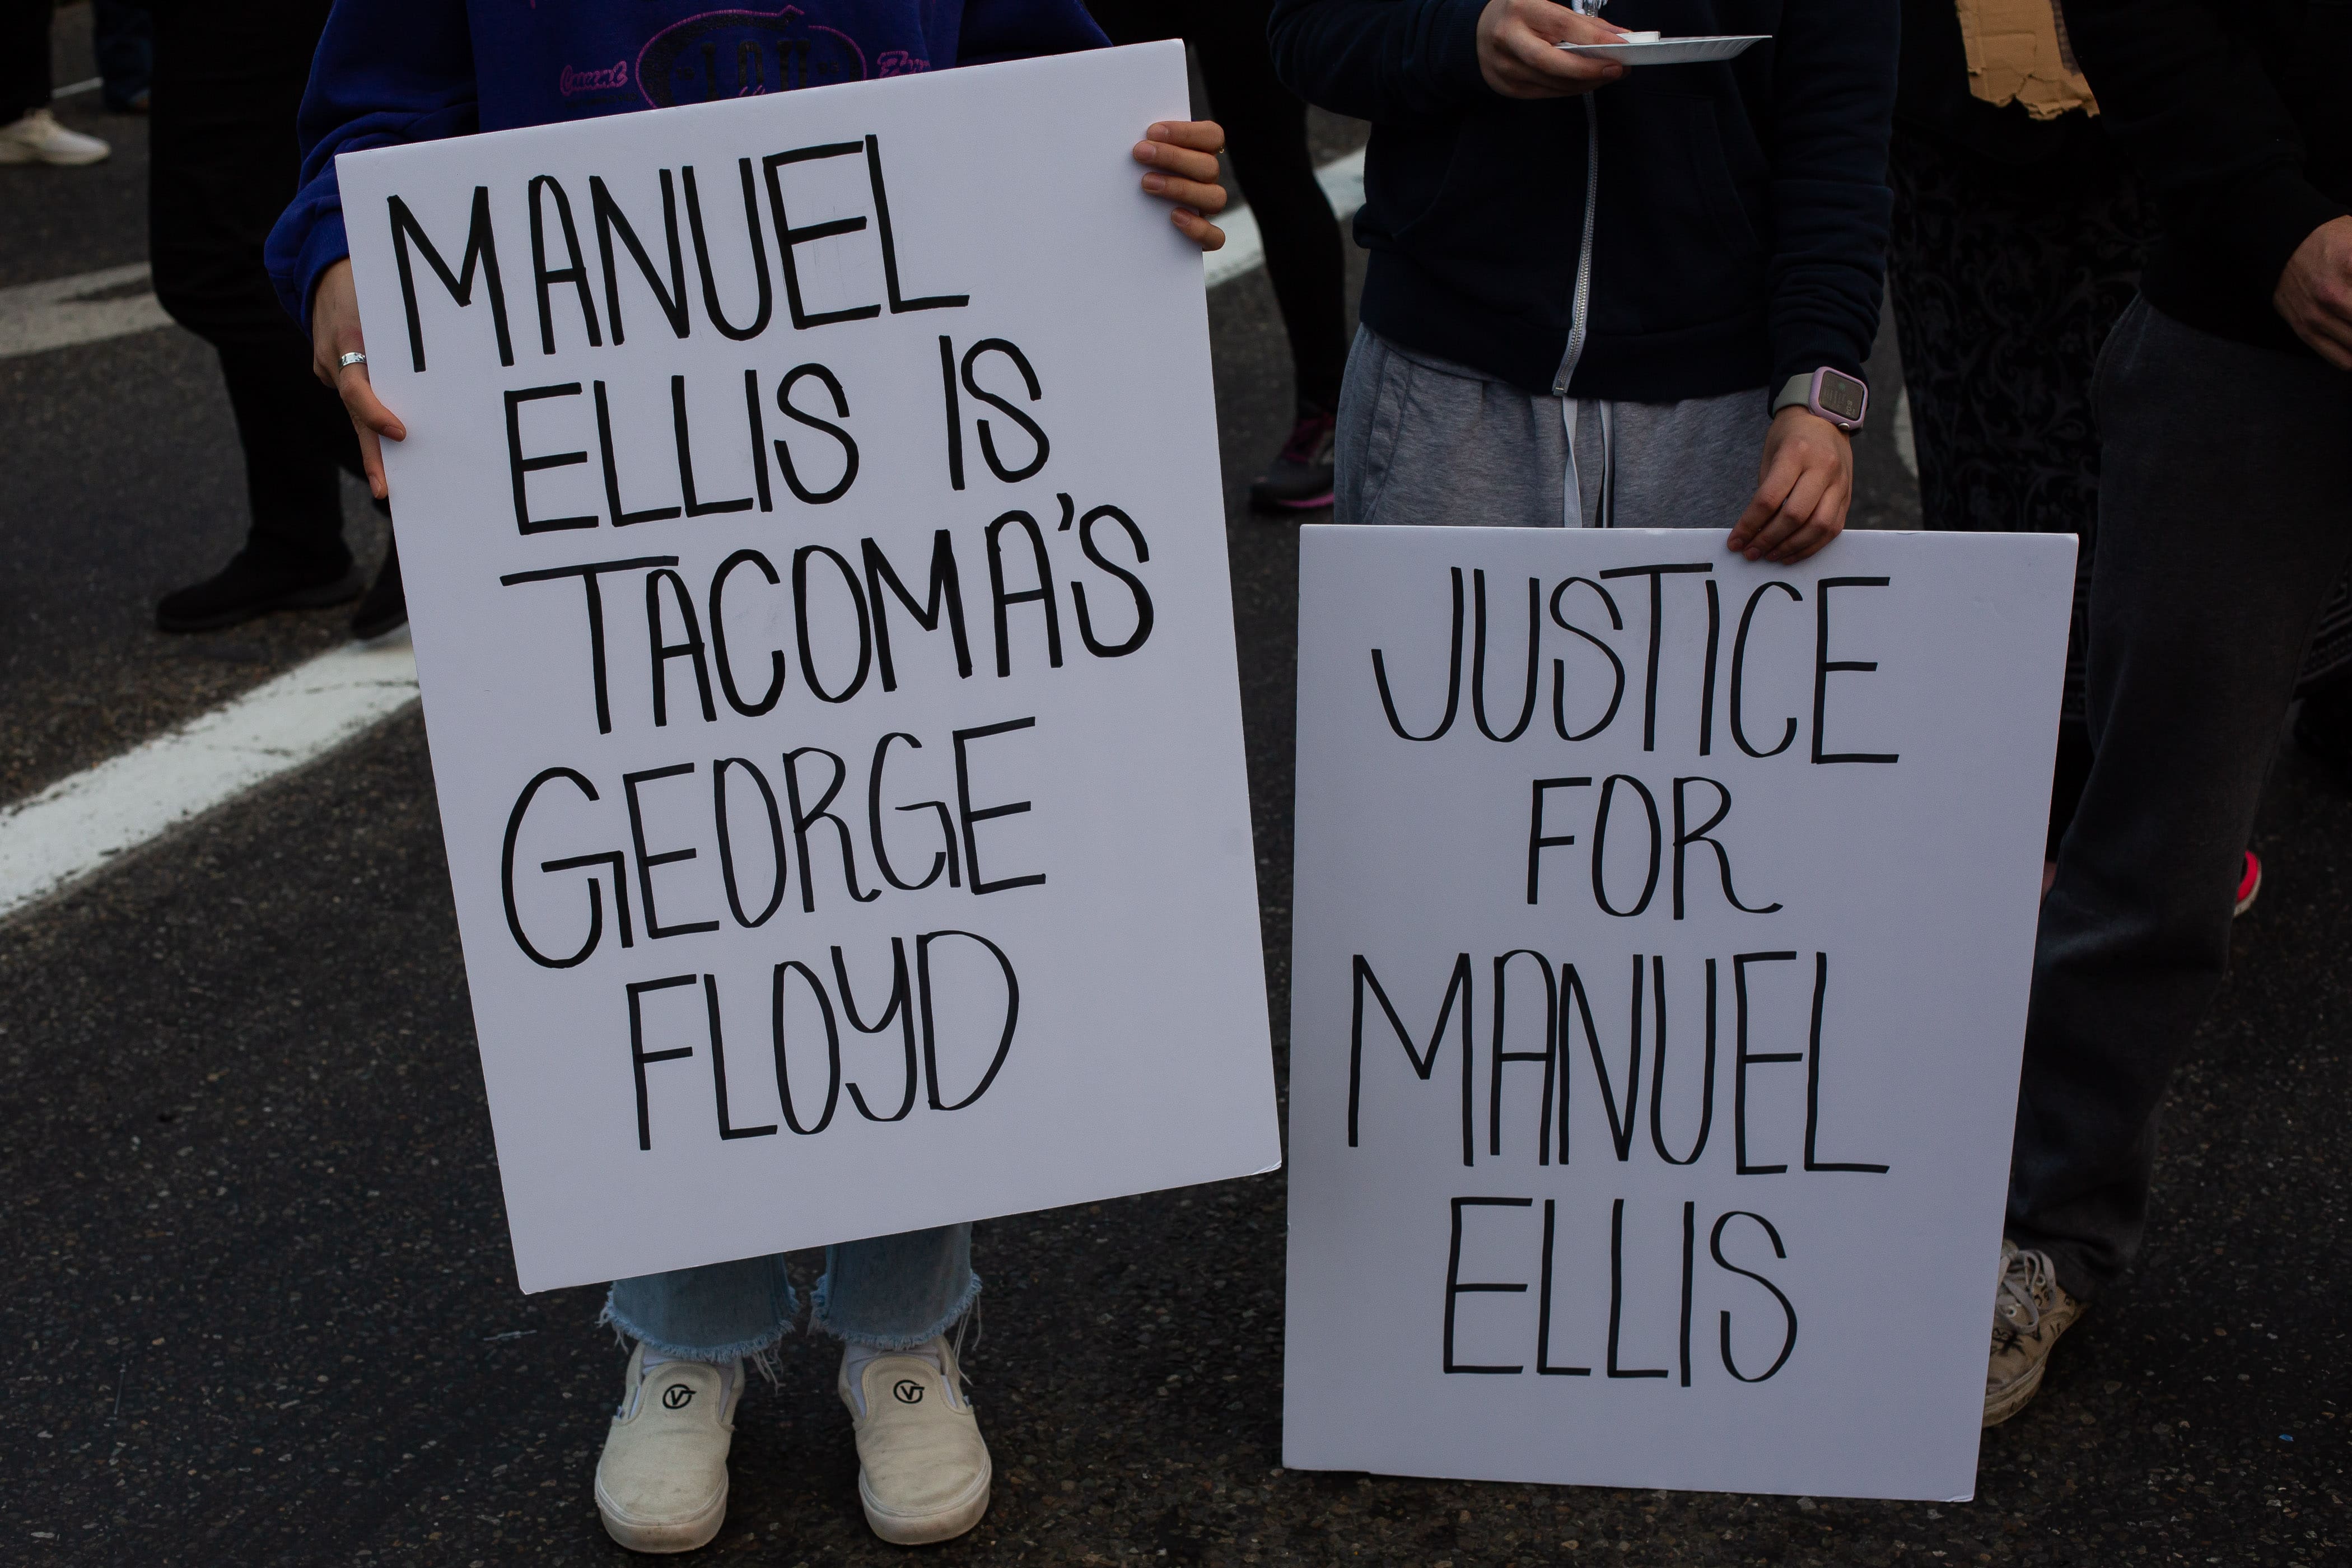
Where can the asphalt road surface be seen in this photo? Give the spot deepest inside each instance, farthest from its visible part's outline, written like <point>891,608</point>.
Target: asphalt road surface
<point>261,1307</point>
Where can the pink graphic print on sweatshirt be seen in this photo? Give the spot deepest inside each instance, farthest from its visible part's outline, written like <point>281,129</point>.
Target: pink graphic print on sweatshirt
<point>735,54</point>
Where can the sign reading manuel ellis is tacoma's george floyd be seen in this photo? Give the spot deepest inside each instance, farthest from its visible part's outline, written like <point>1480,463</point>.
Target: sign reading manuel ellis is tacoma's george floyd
<point>1665,924</point>
<point>812,523</point>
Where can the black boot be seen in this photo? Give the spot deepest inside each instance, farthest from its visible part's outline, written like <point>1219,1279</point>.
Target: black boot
<point>249,588</point>
<point>385,608</point>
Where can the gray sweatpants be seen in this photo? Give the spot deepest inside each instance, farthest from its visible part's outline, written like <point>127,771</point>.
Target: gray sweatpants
<point>1421,441</point>
<point>2225,519</point>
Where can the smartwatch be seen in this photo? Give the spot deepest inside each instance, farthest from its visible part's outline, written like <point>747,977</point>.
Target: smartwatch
<point>1840,398</point>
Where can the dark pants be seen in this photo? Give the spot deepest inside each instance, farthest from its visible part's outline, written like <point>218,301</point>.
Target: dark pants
<point>122,35</point>
<point>2225,520</point>
<point>23,56</point>
<point>1265,136</point>
<point>225,163</point>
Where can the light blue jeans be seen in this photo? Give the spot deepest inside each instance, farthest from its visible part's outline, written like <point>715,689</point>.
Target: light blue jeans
<point>891,1292</point>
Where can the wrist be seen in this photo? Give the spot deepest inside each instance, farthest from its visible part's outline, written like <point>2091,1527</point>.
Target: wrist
<point>2264,222</point>
<point>2315,256</point>
<point>1798,418</point>
<point>1460,60</point>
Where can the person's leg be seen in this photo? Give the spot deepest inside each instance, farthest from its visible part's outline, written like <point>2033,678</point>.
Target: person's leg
<point>924,1473</point>
<point>297,444</point>
<point>29,133</point>
<point>225,164</point>
<point>1265,139</point>
<point>2225,517</point>
<point>24,58</point>
<point>1265,136</point>
<point>2322,725</point>
<point>383,608</point>
<point>896,1293</point>
<point>719,1313</point>
<point>661,1481</point>
<point>2066,781</point>
<point>121,36</point>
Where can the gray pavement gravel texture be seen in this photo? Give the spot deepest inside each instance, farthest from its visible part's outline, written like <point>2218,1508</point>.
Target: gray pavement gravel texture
<point>261,1310</point>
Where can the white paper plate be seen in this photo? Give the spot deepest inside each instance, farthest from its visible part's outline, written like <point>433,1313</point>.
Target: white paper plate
<point>1669,51</point>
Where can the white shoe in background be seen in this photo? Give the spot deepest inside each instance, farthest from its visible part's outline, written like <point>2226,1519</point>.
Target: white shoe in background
<point>923,1472</point>
<point>661,1485</point>
<point>39,139</point>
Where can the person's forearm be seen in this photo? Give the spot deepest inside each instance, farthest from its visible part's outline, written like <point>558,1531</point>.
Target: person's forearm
<point>1833,110</point>
<point>1380,59</point>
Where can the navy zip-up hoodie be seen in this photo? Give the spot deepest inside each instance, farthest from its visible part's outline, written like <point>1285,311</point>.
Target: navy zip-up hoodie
<point>1740,223</point>
<point>394,71</point>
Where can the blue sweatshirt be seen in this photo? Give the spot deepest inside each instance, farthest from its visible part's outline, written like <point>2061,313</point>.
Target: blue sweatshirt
<point>389,72</point>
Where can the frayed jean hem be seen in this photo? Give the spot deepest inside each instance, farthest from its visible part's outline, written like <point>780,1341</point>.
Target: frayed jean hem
<point>818,1323</point>
<point>756,1349</point>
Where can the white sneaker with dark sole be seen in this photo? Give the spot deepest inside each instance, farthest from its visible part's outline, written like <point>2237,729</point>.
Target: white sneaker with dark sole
<point>923,1472</point>
<point>661,1485</point>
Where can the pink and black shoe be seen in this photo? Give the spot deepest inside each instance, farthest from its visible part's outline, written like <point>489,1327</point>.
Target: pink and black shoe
<point>2250,886</point>
<point>1300,478</point>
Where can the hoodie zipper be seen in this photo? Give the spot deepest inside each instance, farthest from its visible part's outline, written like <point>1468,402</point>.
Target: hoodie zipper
<point>1572,501</point>
<point>1583,295</point>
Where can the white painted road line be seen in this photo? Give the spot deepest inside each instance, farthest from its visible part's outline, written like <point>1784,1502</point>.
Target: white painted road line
<point>1244,251</point>
<point>59,312</point>
<point>82,825</point>
<point>78,825</point>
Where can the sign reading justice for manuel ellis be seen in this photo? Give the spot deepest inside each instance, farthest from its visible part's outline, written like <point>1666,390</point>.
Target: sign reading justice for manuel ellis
<point>1665,925</point>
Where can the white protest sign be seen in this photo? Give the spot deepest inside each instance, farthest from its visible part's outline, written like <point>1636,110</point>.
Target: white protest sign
<point>1664,930</point>
<point>812,526</point>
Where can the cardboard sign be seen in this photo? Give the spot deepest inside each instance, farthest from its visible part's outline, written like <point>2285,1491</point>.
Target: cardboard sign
<point>1665,924</point>
<point>2018,52</point>
<point>812,527</point>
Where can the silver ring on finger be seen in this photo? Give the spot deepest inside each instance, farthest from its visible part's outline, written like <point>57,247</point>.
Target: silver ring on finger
<point>345,362</point>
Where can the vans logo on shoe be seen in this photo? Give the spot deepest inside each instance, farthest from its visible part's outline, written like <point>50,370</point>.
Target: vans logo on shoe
<point>906,1391</point>
<point>677,1396</point>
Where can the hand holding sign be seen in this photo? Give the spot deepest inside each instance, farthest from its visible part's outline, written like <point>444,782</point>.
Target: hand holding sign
<point>334,334</point>
<point>1801,493</point>
<point>1182,156</point>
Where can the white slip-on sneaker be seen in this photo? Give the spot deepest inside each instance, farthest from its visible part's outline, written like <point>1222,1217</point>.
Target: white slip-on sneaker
<point>661,1485</point>
<point>923,1472</point>
<point>38,138</point>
